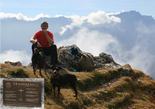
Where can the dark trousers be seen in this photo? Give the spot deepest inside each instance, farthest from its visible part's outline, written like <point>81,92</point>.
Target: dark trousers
<point>50,51</point>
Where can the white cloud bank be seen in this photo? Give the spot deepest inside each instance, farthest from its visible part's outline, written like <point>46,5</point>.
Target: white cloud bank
<point>14,56</point>
<point>100,17</point>
<point>90,41</point>
<point>20,16</point>
<point>94,18</point>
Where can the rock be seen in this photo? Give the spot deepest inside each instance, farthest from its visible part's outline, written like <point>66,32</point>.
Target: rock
<point>105,60</point>
<point>86,62</point>
<point>73,58</point>
<point>18,63</point>
<point>127,66</point>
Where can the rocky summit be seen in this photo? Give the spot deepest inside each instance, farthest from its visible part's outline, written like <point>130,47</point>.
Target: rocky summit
<point>76,60</point>
<point>101,82</point>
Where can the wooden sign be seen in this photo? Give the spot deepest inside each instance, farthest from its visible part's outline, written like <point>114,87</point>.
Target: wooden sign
<point>22,93</point>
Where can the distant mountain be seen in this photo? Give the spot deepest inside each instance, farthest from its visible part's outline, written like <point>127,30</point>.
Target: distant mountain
<point>128,36</point>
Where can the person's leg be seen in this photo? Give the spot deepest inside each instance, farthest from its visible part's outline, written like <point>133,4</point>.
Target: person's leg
<point>54,55</point>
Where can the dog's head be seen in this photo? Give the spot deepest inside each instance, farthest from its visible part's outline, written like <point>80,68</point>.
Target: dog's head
<point>55,68</point>
<point>53,72</point>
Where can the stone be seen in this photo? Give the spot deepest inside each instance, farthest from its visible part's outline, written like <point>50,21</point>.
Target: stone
<point>74,59</point>
<point>18,63</point>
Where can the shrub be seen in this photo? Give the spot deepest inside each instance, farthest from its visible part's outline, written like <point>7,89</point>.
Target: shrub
<point>19,73</point>
<point>73,105</point>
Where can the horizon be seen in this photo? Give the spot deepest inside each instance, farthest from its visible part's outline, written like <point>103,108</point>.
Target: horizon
<point>21,16</point>
<point>69,7</point>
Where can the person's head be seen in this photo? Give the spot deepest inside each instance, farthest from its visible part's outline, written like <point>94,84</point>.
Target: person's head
<point>44,26</point>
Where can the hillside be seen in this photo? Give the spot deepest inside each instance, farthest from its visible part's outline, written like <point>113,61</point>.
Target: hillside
<point>103,88</point>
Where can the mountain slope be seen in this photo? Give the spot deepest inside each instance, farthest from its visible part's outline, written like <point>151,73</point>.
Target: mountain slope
<point>104,88</point>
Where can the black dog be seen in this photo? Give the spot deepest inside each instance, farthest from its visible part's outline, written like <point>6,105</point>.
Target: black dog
<point>62,78</point>
<point>38,60</point>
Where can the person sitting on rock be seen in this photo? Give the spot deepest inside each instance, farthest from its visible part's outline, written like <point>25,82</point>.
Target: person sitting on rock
<point>44,40</point>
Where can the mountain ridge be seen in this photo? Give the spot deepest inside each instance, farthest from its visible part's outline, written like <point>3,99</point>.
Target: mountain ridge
<point>108,86</point>
<point>104,88</point>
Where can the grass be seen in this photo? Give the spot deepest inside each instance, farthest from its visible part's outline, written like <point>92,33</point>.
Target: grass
<point>121,101</point>
<point>99,78</point>
<point>118,88</point>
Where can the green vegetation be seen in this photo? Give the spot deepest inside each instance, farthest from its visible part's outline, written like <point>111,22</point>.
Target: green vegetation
<point>18,73</point>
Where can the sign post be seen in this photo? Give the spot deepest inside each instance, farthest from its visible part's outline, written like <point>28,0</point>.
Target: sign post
<point>22,93</point>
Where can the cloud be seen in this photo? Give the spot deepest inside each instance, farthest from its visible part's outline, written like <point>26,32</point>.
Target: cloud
<point>142,59</point>
<point>94,18</point>
<point>77,21</point>
<point>90,41</point>
<point>100,17</point>
<point>20,16</point>
<point>15,55</point>
<point>138,57</point>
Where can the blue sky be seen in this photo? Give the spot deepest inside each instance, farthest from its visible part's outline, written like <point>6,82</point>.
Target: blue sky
<point>72,7</point>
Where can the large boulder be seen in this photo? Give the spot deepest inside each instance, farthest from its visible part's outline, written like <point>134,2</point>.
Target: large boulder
<point>74,59</point>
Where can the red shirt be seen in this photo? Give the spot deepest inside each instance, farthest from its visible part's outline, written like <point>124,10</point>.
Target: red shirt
<point>41,38</point>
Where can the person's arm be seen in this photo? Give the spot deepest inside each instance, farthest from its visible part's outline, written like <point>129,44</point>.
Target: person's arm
<point>33,40</point>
